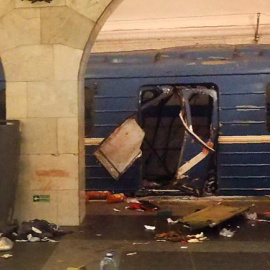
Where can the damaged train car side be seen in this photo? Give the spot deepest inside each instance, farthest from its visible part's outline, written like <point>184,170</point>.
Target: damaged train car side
<point>203,114</point>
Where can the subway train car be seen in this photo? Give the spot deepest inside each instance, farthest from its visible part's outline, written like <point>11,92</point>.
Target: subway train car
<point>203,113</point>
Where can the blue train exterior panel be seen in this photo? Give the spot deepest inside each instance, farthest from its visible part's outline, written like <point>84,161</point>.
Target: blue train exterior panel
<point>240,75</point>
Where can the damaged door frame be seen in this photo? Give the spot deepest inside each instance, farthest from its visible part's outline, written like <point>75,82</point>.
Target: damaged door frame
<point>185,93</point>
<point>189,165</point>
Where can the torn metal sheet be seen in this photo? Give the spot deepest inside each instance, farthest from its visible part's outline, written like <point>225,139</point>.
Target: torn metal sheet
<point>119,151</point>
<point>212,216</point>
<point>189,164</point>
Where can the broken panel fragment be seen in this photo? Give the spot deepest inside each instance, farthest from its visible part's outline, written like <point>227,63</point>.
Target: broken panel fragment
<point>119,151</point>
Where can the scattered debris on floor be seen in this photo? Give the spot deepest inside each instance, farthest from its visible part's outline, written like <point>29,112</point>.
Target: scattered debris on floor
<point>226,233</point>
<point>211,216</point>
<point>205,218</point>
<point>34,231</point>
<point>175,236</point>
<point>6,256</point>
<point>171,236</point>
<point>5,244</point>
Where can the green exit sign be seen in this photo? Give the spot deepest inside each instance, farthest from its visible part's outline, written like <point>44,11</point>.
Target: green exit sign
<point>41,198</point>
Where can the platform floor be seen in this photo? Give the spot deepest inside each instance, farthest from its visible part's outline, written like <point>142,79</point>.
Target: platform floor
<point>123,232</point>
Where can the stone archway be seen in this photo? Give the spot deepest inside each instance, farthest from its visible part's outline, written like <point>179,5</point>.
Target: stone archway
<point>44,48</point>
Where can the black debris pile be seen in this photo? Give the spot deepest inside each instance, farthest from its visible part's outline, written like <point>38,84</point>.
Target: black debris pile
<point>34,231</point>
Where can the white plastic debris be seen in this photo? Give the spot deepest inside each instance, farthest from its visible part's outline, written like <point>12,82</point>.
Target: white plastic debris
<point>36,230</point>
<point>226,233</point>
<point>170,221</point>
<point>21,240</point>
<point>199,235</point>
<point>263,220</point>
<point>184,247</point>
<point>150,228</point>
<point>6,256</point>
<point>31,238</point>
<point>131,253</point>
<point>5,244</point>
<point>132,200</point>
<point>52,241</point>
<point>194,240</point>
<point>98,234</point>
<point>251,216</point>
<point>116,210</point>
<point>146,243</point>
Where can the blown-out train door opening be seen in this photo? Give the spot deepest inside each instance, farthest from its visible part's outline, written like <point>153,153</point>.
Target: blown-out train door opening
<point>173,135</point>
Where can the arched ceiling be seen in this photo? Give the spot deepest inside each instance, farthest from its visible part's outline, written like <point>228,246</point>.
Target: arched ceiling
<point>147,24</point>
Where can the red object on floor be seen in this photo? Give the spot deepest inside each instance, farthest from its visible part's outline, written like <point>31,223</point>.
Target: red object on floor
<point>143,206</point>
<point>97,195</point>
<point>115,198</point>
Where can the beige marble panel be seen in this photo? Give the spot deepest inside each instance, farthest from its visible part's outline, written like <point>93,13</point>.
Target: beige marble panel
<point>66,62</point>
<point>26,209</point>
<point>53,172</point>
<point>39,136</point>
<point>23,177</point>
<point>27,4</point>
<point>67,144</point>
<point>91,9</point>
<point>6,6</point>
<point>68,207</point>
<point>16,100</point>
<point>52,99</point>
<point>65,26</point>
<point>28,63</point>
<point>19,27</point>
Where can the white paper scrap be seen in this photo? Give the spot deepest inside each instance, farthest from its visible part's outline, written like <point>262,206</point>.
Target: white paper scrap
<point>132,253</point>
<point>147,227</point>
